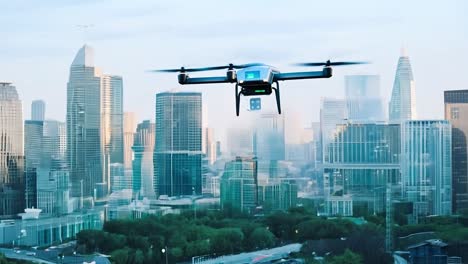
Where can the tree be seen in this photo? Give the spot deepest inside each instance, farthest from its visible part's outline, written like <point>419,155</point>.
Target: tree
<point>261,238</point>
<point>348,257</point>
<point>121,256</point>
<point>227,241</point>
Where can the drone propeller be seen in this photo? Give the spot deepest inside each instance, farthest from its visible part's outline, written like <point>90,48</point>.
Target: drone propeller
<point>329,63</point>
<point>212,68</point>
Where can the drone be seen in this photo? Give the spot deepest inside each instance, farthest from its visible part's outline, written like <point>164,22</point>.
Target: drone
<point>255,79</point>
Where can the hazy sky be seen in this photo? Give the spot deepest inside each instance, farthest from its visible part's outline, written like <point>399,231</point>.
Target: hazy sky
<point>41,38</point>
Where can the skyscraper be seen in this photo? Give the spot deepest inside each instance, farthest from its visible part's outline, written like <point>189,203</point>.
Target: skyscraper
<point>456,111</point>
<point>363,97</point>
<point>52,185</point>
<point>210,145</point>
<point>12,199</point>
<point>332,112</point>
<point>426,166</point>
<point>94,125</point>
<point>178,149</point>
<point>38,110</point>
<point>239,185</point>
<point>130,126</point>
<point>33,150</point>
<point>363,158</point>
<point>115,93</point>
<point>143,170</point>
<point>54,142</point>
<point>269,141</point>
<point>402,105</point>
<point>239,142</point>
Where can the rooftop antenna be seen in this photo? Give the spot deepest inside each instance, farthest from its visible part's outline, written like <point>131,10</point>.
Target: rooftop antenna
<point>85,30</point>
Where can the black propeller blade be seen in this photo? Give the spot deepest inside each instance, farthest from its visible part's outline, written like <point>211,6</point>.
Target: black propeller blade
<point>329,63</point>
<point>212,68</point>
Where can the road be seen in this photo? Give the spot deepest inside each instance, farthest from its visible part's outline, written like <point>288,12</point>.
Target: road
<point>256,256</point>
<point>10,253</point>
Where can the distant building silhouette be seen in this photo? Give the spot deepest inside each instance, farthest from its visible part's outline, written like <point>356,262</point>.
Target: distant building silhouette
<point>38,108</point>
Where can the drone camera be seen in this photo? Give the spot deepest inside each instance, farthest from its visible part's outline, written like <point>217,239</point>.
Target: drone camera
<point>255,104</point>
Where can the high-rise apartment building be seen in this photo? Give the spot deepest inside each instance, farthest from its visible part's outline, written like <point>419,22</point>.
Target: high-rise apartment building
<point>456,111</point>
<point>426,166</point>
<point>178,148</point>
<point>402,104</point>
<point>12,185</point>
<point>94,125</point>
<point>143,170</point>
<point>363,101</point>
<point>38,108</point>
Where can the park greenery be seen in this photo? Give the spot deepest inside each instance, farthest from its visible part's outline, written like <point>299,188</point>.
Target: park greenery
<point>4,260</point>
<point>226,232</point>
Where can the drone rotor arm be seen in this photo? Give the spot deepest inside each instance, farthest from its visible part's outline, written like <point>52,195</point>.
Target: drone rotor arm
<point>326,73</point>
<point>202,80</point>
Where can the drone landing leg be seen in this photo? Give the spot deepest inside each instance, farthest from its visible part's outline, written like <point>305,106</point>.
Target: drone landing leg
<point>237,100</point>
<point>277,94</point>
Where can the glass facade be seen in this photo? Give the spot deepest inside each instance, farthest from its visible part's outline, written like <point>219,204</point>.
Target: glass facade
<point>362,159</point>
<point>38,110</point>
<point>456,111</point>
<point>94,125</point>
<point>362,93</point>
<point>239,185</point>
<point>143,170</point>
<point>426,166</point>
<point>269,137</point>
<point>12,199</point>
<point>332,112</point>
<point>403,101</point>
<point>178,149</point>
<point>33,151</point>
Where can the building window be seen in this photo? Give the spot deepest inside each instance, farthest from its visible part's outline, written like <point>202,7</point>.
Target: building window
<point>454,113</point>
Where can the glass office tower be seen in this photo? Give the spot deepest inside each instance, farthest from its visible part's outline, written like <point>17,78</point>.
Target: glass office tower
<point>12,199</point>
<point>362,94</point>
<point>178,149</point>
<point>426,167</point>
<point>456,111</point>
<point>143,169</point>
<point>94,125</point>
<point>362,159</point>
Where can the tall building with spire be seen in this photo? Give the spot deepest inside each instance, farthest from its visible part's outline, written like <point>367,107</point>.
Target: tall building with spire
<point>94,125</point>
<point>402,104</point>
<point>12,199</point>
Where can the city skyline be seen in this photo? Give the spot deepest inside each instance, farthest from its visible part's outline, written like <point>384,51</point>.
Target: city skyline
<point>154,45</point>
